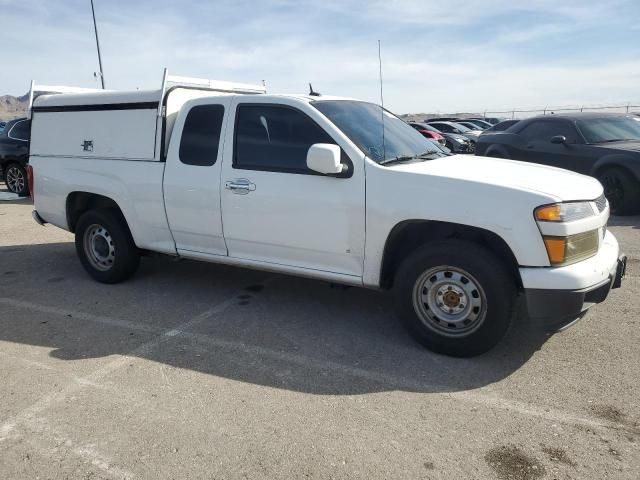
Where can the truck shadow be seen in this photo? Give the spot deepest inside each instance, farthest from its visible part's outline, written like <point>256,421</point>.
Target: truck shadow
<point>277,331</point>
<point>632,221</point>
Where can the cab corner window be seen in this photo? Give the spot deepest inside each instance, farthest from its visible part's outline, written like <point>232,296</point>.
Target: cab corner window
<point>201,135</point>
<point>275,138</point>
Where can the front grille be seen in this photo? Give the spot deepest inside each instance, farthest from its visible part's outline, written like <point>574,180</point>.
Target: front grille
<point>601,203</point>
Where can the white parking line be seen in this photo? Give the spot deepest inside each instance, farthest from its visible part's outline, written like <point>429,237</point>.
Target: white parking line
<point>477,397</point>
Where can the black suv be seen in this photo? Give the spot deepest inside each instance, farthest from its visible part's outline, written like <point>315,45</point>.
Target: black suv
<point>605,146</point>
<point>14,154</point>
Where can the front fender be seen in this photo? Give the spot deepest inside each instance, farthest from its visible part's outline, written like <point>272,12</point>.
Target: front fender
<point>624,160</point>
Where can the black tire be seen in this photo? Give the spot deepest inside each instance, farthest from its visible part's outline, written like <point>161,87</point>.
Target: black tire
<point>496,295</point>
<point>15,177</point>
<point>622,190</point>
<point>449,145</point>
<point>105,246</point>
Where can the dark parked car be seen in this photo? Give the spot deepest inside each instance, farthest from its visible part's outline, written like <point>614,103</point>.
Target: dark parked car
<point>501,127</point>
<point>605,146</point>
<point>491,120</point>
<point>14,154</point>
<point>452,141</point>
<point>481,124</point>
<point>429,132</point>
<point>472,125</point>
<point>454,127</point>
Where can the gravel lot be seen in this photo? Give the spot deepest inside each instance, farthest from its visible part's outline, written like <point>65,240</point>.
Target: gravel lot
<point>193,370</point>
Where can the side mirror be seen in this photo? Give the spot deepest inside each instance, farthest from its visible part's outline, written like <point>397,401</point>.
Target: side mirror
<point>324,158</point>
<point>559,140</point>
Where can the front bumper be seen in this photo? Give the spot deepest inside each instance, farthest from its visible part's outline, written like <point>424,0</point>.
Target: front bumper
<point>555,308</point>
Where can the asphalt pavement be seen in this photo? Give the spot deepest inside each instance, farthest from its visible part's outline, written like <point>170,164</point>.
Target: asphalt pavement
<point>194,370</point>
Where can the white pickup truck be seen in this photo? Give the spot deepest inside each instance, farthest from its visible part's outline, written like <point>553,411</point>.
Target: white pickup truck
<point>324,187</point>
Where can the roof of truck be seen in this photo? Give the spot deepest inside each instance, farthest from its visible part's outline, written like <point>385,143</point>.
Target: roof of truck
<point>105,97</point>
<point>110,97</point>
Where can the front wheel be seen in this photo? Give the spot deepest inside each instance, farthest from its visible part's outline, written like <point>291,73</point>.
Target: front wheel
<point>622,191</point>
<point>15,177</point>
<point>455,297</point>
<point>105,246</point>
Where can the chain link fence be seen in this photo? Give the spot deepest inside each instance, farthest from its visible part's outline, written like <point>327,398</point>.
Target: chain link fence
<point>520,114</point>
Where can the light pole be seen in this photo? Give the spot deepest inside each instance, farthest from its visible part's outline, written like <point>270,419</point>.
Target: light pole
<point>95,28</point>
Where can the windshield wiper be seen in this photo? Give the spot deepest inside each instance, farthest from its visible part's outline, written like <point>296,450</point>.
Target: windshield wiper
<point>619,140</point>
<point>405,158</point>
<point>398,159</point>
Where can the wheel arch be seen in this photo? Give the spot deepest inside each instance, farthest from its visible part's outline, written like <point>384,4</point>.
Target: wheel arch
<point>624,162</point>
<point>496,148</point>
<point>408,235</point>
<point>79,202</point>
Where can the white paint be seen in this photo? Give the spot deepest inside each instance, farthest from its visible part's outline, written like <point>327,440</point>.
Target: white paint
<point>309,225</point>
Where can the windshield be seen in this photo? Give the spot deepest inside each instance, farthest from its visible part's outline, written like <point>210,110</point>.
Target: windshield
<point>362,123</point>
<point>461,127</point>
<point>612,129</point>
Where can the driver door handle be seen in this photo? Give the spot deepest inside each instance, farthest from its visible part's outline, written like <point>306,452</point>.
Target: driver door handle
<point>240,186</point>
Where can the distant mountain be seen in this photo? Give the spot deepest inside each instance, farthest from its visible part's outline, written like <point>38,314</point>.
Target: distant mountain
<point>13,107</point>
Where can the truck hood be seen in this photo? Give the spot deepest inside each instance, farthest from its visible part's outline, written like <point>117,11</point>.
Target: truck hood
<point>560,184</point>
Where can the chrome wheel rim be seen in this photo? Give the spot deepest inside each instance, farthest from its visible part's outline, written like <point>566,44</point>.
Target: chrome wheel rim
<point>99,247</point>
<point>449,301</point>
<point>15,179</point>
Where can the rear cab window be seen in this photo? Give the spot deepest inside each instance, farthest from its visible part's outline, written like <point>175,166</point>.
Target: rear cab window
<point>201,135</point>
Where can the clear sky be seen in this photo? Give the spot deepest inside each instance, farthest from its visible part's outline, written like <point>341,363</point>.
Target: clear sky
<point>437,55</point>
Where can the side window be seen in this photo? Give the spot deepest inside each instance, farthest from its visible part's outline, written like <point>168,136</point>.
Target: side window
<point>538,131</point>
<point>274,138</point>
<point>543,131</point>
<point>567,130</point>
<point>201,135</point>
<point>20,130</point>
<point>443,127</point>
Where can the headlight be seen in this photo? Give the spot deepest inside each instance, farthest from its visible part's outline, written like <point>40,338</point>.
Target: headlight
<point>460,140</point>
<point>564,212</point>
<point>571,249</point>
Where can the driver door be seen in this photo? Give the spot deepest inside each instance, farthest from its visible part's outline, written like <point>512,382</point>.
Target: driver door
<point>274,209</point>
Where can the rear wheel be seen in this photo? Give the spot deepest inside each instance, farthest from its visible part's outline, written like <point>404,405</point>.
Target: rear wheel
<point>455,297</point>
<point>15,176</point>
<point>622,191</point>
<point>105,246</point>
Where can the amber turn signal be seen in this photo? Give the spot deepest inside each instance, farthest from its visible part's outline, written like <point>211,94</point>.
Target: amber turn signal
<point>556,249</point>
<point>551,213</point>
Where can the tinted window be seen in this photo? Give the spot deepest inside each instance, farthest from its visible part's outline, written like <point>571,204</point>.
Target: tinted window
<point>275,138</point>
<point>201,135</point>
<point>545,130</point>
<point>612,129</point>
<point>457,128</point>
<point>443,127</point>
<point>20,130</point>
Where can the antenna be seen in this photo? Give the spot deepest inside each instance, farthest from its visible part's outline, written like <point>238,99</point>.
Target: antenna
<point>95,28</point>
<point>312,93</point>
<point>384,149</point>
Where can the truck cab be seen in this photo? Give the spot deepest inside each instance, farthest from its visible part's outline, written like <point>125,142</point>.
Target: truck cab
<point>325,187</point>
